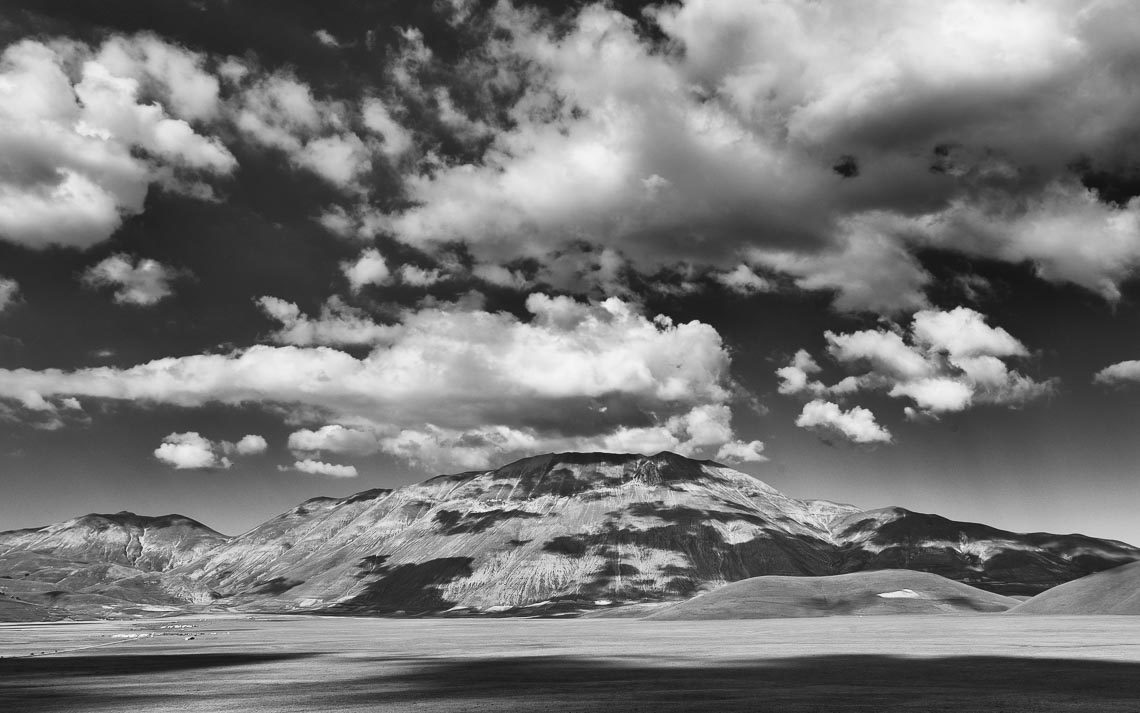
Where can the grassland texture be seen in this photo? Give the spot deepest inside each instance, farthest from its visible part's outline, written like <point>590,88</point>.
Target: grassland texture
<point>989,663</point>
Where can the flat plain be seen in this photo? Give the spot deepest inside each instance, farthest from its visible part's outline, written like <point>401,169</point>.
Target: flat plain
<point>989,663</point>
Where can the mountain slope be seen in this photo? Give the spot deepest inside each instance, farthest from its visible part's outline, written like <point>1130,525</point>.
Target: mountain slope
<point>561,531</point>
<point>1115,591</point>
<point>996,560</point>
<point>145,543</point>
<point>891,591</point>
<point>591,527</point>
<point>584,526</point>
<point>104,565</point>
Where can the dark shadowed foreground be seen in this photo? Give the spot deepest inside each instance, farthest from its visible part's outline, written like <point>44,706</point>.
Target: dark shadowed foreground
<point>989,663</point>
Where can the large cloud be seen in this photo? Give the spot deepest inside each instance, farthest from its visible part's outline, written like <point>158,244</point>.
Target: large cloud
<point>455,383</point>
<point>823,142</point>
<point>946,361</point>
<point>86,130</point>
<point>82,144</point>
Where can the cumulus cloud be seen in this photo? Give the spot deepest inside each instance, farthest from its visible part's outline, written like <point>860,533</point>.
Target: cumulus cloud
<point>332,470</point>
<point>419,276</point>
<point>946,361</point>
<point>340,160</point>
<point>333,139</point>
<point>962,332</point>
<point>335,438</point>
<point>453,379</point>
<point>868,271</point>
<point>83,145</point>
<point>9,292</point>
<point>176,74</point>
<point>743,280</point>
<point>741,452</point>
<point>250,444</point>
<point>829,145</point>
<point>193,451</point>
<point>368,269</point>
<point>190,451</point>
<point>857,424</point>
<point>795,377</point>
<point>142,283</point>
<point>337,324</point>
<point>1120,373</point>
<point>378,119</point>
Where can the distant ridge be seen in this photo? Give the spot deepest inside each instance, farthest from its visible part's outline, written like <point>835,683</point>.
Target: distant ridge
<point>147,543</point>
<point>562,532</point>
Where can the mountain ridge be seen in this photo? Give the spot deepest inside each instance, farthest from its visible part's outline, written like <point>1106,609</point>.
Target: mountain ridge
<point>552,532</point>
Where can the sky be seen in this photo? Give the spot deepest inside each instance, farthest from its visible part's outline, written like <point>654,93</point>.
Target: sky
<point>257,252</point>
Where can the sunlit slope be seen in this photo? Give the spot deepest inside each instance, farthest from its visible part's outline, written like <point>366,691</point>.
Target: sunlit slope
<point>604,527</point>
<point>567,531</point>
<point>593,526</point>
<point>101,565</point>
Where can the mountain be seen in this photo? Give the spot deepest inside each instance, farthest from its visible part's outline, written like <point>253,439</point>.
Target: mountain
<point>558,532</point>
<point>568,526</point>
<point>96,565</point>
<point>573,529</point>
<point>995,560</point>
<point>145,543</point>
<point>890,591</point>
<point>1115,591</point>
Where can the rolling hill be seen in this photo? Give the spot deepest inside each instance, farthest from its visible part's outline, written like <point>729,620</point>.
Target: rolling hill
<point>1114,591</point>
<point>892,591</point>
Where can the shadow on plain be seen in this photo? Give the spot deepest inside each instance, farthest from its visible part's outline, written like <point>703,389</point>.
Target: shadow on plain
<point>825,684</point>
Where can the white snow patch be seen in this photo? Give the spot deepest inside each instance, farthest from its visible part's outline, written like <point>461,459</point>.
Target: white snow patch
<point>901,594</point>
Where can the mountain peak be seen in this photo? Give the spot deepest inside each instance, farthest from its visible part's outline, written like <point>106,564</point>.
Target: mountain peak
<point>128,519</point>
<point>663,466</point>
<point>580,470</point>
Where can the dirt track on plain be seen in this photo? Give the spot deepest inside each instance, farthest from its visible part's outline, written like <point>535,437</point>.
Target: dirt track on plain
<point>988,663</point>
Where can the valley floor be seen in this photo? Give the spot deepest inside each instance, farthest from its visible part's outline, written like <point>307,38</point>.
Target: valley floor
<point>990,663</point>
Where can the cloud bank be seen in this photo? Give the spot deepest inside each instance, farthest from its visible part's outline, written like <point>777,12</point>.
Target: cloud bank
<point>946,361</point>
<point>827,144</point>
<point>453,384</point>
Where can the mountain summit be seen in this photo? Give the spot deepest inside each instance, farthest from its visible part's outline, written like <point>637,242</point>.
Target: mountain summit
<point>573,530</point>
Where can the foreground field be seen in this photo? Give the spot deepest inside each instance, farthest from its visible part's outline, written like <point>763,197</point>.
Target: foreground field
<point>989,663</point>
